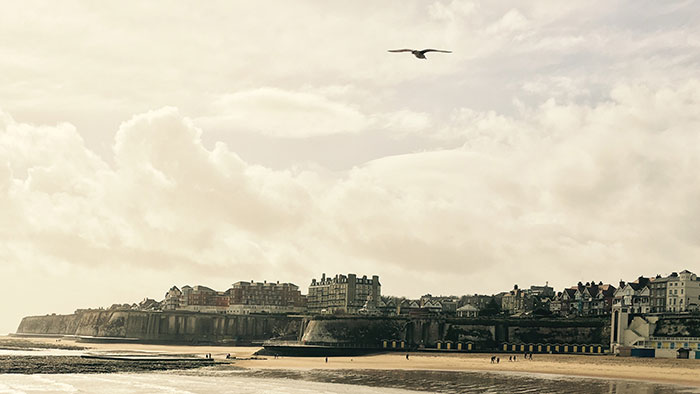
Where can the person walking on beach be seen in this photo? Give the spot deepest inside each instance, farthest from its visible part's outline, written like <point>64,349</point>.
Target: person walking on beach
<point>493,358</point>
<point>406,356</point>
<point>326,360</point>
<point>498,360</point>
<point>515,358</point>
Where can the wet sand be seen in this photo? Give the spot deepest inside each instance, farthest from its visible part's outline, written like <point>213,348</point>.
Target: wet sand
<point>684,372</point>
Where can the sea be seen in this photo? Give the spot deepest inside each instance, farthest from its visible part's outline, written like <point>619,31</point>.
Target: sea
<point>239,380</point>
<point>324,381</point>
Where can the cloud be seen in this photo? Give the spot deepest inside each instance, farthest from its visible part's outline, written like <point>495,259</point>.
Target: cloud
<point>556,137</point>
<point>572,187</point>
<point>279,113</point>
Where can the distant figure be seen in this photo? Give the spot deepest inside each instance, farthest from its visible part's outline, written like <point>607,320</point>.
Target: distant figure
<point>228,356</point>
<point>530,356</point>
<point>406,356</point>
<point>510,358</point>
<point>493,358</point>
<point>420,54</point>
<point>498,360</point>
<point>326,360</point>
<point>515,358</point>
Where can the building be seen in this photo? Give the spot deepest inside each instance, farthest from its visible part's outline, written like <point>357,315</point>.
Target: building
<point>682,292</point>
<point>446,305</point>
<point>467,311</point>
<point>242,298</point>
<point>409,308</point>
<point>633,297</point>
<point>172,299</point>
<point>343,294</point>
<point>203,299</point>
<point>542,291</point>
<point>517,301</point>
<point>657,296</point>
<point>478,301</point>
<point>265,297</point>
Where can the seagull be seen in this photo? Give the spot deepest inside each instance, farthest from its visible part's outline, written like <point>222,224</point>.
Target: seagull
<point>419,54</point>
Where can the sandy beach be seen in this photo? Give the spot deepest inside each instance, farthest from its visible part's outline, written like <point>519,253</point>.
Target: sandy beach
<point>683,372</point>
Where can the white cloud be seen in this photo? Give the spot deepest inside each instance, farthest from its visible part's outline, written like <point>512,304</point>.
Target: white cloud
<point>576,126</point>
<point>284,114</point>
<point>577,189</point>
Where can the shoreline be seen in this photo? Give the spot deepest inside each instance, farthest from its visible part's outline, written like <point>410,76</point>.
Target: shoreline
<point>665,371</point>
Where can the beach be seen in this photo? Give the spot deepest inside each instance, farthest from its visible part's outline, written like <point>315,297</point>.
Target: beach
<point>683,372</point>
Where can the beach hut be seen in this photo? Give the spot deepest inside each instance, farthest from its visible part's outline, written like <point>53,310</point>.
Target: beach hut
<point>683,352</point>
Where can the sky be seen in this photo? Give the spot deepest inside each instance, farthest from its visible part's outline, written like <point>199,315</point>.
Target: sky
<point>151,144</point>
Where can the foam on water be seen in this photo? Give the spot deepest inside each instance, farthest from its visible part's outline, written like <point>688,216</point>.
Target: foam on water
<point>175,384</point>
<point>212,380</point>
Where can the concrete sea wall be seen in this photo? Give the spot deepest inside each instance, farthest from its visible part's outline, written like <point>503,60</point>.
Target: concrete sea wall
<point>181,327</point>
<point>484,334</point>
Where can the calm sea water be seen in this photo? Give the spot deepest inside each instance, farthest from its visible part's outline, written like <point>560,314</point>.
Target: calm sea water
<point>324,381</point>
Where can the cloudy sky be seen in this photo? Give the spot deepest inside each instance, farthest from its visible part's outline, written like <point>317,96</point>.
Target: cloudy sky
<point>151,144</point>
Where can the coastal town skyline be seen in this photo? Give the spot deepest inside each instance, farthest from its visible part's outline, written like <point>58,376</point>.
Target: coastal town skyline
<point>362,295</point>
<point>150,143</point>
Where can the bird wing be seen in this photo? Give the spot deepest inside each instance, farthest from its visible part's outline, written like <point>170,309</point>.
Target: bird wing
<point>400,50</point>
<point>435,50</point>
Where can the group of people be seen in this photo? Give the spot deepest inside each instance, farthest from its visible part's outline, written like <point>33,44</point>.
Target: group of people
<point>526,355</point>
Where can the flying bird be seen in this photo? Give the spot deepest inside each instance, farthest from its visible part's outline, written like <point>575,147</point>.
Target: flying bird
<point>419,54</point>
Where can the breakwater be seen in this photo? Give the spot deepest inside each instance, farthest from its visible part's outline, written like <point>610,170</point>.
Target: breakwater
<point>171,326</point>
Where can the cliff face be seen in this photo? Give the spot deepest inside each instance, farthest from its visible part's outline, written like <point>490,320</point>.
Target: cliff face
<point>483,333</point>
<point>685,326</point>
<point>164,326</point>
<point>354,330</point>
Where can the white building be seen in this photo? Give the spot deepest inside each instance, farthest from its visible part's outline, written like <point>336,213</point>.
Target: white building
<point>682,292</point>
<point>633,297</point>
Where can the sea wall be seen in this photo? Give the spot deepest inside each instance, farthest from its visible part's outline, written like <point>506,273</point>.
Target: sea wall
<point>482,333</point>
<point>175,326</point>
